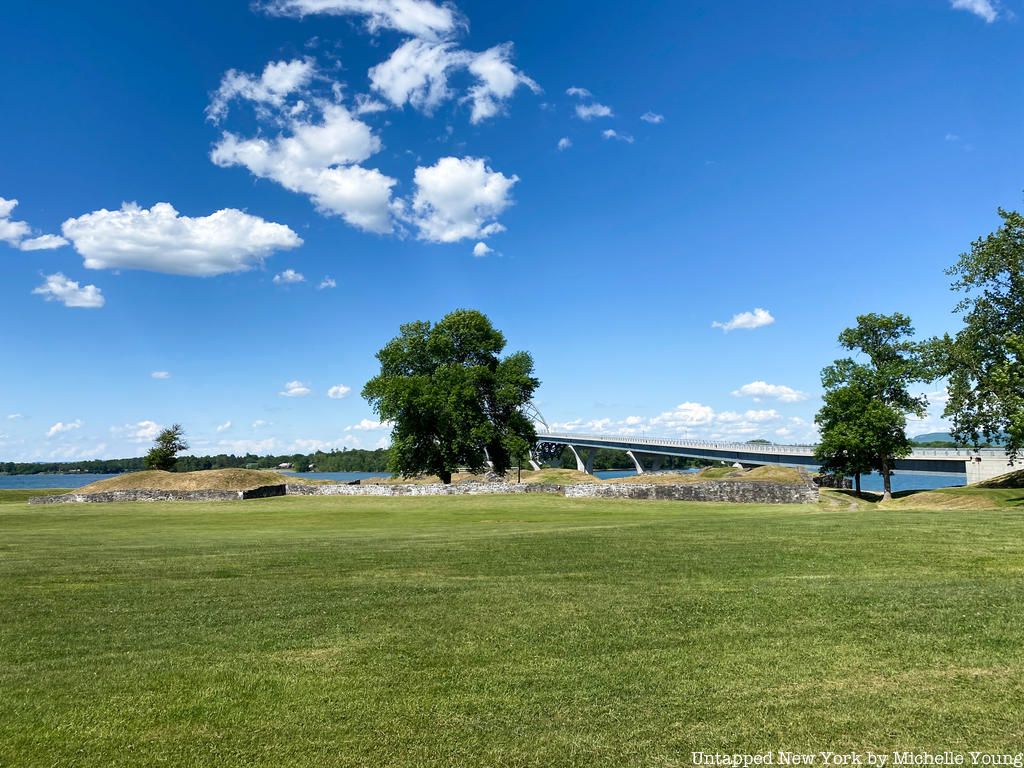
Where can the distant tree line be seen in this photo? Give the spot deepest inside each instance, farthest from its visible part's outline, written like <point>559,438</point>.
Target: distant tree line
<point>345,460</point>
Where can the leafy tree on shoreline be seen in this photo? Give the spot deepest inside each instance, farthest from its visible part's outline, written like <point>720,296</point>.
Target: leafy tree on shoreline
<point>845,445</point>
<point>452,400</point>
<point>164,453</point>
<point>864,419</point>
<point>985,361</point>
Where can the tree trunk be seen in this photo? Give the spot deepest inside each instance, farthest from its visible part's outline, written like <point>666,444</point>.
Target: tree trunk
<point>446,476</point>
<point>856,480</point>
<point>886,481</point>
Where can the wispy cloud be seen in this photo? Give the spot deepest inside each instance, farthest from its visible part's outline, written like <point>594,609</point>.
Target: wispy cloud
<point>746,320</point>
<point>653,118</point>
<point>338,391</point>
<point>613,134</point>
<point>590,111</point>
<point>295,389</point>
<point>984,9</point>
<point>62,426</point>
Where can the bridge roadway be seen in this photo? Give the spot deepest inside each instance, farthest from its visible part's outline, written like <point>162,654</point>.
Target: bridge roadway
<point>977,465</point>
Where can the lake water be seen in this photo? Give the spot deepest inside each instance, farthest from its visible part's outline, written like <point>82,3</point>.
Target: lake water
<point>868,482</point>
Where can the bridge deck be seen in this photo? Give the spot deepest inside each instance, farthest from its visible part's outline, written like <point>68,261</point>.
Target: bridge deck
<point>937,461</point>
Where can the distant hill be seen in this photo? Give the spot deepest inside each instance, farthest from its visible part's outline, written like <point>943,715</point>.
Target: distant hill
<point>940,437</point>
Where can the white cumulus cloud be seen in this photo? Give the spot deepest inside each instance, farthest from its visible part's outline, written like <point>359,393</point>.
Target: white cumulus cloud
<point>653,118</point>
<point>564,143</point>
<point>761,389</point>
<point>338,391</point>
<point>482,249</point>
<point>69,293</point>
<point>289,277</point>
<point>417,74</point>
<point>319,159</point>
<point>139,432</point>
<point>459,198</point>
<point>224,427</point>
<point>161,240</point>
<point>295,389</point>
<point>746,320</point>
<point>16,233</point>
<point>580,93</point>
<point>327,282</point>
<point>161,374</point>
<point>278,80</point>
<point>368,425</point>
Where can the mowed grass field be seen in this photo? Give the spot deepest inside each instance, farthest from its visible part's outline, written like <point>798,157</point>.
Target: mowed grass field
<point>503,631</point>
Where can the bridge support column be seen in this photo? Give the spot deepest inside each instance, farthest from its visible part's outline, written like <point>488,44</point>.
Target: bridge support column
<point>534,464</point>
<point>584,465</point>
<point>636,462</point>
<point>657,460</point>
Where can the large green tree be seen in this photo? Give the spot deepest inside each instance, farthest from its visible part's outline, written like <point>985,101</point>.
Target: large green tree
<point>845,447</point>
<point>864,419</point>
<point>452,399</point>
<point>164,453</point>
<point>985,361</point>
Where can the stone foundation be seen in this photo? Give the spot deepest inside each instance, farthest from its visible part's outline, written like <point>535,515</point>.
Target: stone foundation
<point>108,497</point>
<point>732,491</point>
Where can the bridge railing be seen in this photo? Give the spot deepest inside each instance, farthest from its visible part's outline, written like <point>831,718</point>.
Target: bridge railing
<point>780,450</point>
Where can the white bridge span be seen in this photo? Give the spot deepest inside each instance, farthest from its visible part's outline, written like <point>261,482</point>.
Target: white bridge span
<point>977,465</point>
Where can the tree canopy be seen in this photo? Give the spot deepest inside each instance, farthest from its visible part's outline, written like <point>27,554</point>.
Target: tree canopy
<point>164,453</point>
<point>985,361</point>
<point>864,417</point>
<point>452,400</point>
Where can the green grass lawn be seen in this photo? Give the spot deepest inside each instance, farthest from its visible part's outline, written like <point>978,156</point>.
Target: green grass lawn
<point>502,631</point>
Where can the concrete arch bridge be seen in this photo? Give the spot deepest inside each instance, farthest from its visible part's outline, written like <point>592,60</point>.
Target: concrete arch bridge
<point>648,453</point>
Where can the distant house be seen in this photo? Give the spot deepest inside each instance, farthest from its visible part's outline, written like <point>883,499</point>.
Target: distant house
<point>284,465</point>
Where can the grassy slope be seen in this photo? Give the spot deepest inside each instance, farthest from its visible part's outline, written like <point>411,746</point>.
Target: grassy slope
<point>210,479</point>
<point>530,631</point>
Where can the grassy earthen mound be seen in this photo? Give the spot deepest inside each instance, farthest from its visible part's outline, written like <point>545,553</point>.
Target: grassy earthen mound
<point>1009,480</point>
<point>206,480</point>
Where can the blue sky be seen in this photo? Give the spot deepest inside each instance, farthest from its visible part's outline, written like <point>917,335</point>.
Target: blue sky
<point>224,209</point>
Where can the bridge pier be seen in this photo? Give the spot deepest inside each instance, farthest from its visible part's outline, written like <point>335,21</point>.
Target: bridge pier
<point>981,468</point>
<point>636,462</point>
<point>657,460</point>
<point>581,464</point>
